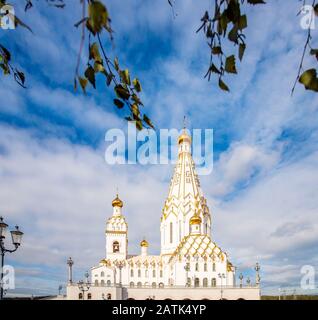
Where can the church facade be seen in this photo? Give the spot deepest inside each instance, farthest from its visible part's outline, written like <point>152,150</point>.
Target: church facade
<point>190,265</point>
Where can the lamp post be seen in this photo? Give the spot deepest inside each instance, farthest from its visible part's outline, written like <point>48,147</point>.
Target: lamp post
<point>241,280</point>
<point>70,263</point>
<point>221,276</point>
<point>257,269</point>
<point>16,236</point>
<point>248,281</point>
<point>84,286</point>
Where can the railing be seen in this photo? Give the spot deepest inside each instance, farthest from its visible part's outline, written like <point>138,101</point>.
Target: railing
<point>218,287</point>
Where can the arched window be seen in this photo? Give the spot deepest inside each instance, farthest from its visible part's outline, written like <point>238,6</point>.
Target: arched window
<point>205,282</point>
<point>213,282</point>
<point>153,273</point>
<point>115,246</point>
<point>213,267</point>
<point>109,296</point>
<point>161,274</point>
<point>205,267</point>
<point>96,283</point>
<point>171,232</point>
<point>154,285</point>
<point>206,228</point>
<point>89,296</point>
<point>189,282</point>
<point>197,282</point>
<point>161,285</point>
<point>139,273</point>
<point>108,283</point>
<point>131,284</point>
<point>80,296</point>
<point>131,272</point>
<point>102,274</point>
<point>102,282</point>
<point>197,266</point>
<point>139,285</point>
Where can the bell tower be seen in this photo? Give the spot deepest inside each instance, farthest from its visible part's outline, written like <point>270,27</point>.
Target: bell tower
<point>116,233</point>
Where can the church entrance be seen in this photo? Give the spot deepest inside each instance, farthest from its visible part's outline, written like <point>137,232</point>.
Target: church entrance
<point>197,282</point>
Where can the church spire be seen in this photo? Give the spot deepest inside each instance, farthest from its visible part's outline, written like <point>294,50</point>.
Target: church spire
<point>184,199</point>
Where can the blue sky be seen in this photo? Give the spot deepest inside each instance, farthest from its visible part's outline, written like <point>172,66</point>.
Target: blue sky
<point>263,192</point>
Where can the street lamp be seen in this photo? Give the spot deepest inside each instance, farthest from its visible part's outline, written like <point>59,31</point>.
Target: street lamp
<point>257,269</point>
<point>84,286</point>
<point>221,276</point>
<point>16,236</point>
<point>241,280</point>
<point>70,263</point>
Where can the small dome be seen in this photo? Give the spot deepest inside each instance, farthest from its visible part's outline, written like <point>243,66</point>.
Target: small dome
<point>144,243</point>
<point>184,137</point>
<point>117,202</point>
<point>195,219</point>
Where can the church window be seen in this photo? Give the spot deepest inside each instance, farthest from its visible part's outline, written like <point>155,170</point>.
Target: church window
<point>205,282</point>
<point>108,283</point>
<point>171,232</point>
<point>213,283</point>
<point>80,296</point>
<point>213,267</point>
<point>132,272</point>
<point>102,274</point>
<point>96,283</point>
<point>115,246</point>
<point>139,273</point>
<point>161,274</point>
<point>153,272</point>
<point>205,267</point>
<point>139,285</point>
<point>89,296</point>
<point>196,267</point>
<point>102,282</point>
<point>197,282</point>
<point>131,284</point>
<point>154,285</point>
<point>189,282</point>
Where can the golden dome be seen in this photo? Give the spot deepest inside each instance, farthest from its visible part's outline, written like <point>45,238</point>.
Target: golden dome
<point>184,137</point>
<point>195,219</point>
<point>117,202</point>
<point>144,243</point>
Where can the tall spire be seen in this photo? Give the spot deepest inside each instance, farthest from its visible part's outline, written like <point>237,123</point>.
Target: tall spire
<point>185,197</point>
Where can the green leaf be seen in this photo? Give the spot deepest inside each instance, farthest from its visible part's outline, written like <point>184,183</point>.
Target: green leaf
<point>135,110</point>
<point>122,92</point>
<point>98,67</point>
<point>5,53</point>
<point>90,75</point>
<point>242,23</point>
<point>116,64</point>
<point>230,64</point>
<point>214,69</point>
<point>136,99</point>
<point>97,17</point>
<point>223,86</point>
<point>94,53</point>
<point>256,1</point>
<point>119,104</point>
<point>124,75</point>
<point>233,34</point>
<point>242,48</point>
<point>148,122</point>
<point>217,50</point>
<point>309,80</point>
<point>83,82</point>
<point>137,85</point>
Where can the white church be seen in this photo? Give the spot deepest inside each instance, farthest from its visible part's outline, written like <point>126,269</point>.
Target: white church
<point>190,265</point>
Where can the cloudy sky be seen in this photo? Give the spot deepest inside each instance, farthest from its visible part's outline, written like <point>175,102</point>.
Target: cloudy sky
<point>55,184</point>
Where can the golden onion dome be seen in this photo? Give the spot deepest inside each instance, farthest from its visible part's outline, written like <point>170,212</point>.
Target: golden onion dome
<point>117,202</point>
<point>195,219</point>
<point>144,243</point>
<point>184,137</point>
